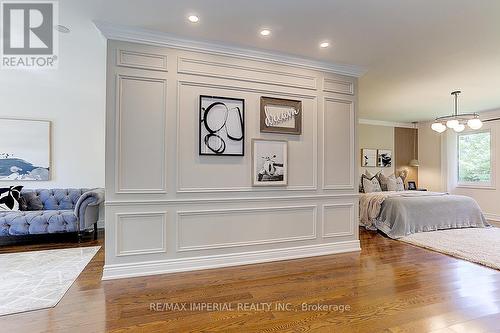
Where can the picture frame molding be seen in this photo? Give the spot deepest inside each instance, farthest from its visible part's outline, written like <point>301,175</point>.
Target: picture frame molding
<point>285,162</point>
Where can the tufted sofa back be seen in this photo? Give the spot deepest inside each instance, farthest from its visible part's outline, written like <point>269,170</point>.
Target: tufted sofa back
<point>51,199</point>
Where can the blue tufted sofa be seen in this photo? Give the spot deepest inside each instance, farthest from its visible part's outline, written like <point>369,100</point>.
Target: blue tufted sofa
<point>48,211</point>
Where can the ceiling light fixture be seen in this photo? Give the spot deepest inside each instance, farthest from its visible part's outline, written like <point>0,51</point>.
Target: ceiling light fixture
<point>457,121</point>
<point>324,45</point>
<point>265,32</point>
<point>193,18</point>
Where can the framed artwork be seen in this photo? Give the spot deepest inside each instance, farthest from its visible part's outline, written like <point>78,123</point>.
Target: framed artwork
<point>368,157</point>
<point>282,116</point>
<point>24,149</point>
<point>222,126</point>
<point>412,186</point>
<point>269,162</point>
<point>384,158</point>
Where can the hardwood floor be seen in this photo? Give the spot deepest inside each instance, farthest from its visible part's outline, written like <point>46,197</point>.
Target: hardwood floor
<point>388,287</point>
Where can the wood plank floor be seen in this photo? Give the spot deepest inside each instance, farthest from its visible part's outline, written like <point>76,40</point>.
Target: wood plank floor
<point>388,287</point>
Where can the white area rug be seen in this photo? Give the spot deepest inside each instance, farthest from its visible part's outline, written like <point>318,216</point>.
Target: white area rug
<point>39,279</point>
<point>479,245</point>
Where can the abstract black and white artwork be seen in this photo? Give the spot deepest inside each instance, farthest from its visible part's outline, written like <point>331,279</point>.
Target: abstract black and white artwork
<point>24,149</point>
<point>384,158</point>
<point>269,162</point>
<point>222,126</point>
<point>368,157</point>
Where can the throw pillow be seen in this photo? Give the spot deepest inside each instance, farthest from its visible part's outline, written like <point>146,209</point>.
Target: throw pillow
<point>388,183</point>
<point>370,185</point>
<point>9,198</point>
<point>400,184</point>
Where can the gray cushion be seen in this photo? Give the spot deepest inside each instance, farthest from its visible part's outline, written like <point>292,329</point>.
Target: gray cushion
<point>37,222</point>
<point>52,199</point>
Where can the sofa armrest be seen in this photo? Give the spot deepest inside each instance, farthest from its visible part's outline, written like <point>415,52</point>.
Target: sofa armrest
<point>87,207</point>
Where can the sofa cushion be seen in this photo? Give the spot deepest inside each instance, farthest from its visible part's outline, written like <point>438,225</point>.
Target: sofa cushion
<point>37,222</point>
<point>52,199</point>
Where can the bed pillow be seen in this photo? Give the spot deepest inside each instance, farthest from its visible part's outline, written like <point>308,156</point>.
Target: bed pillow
<point>9,198</point>
<point>391,183</point>
<point>400,184</point>
<point>370,184</point>
<point>369,175</point>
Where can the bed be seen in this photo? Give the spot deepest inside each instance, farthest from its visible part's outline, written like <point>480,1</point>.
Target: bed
<point>399,214</point>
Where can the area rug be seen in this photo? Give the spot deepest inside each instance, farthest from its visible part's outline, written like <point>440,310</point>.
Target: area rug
<point>39,279</point>
<point>479,245</point>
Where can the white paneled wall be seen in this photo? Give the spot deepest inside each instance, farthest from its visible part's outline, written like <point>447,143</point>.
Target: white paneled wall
<point>169,209</point>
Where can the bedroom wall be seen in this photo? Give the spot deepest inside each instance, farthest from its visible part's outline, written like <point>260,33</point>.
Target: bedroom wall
<point>430,175</point>
<point>72,97</point>
<point>437,165</point>
<point>375,137</point>
<point>169,209</point>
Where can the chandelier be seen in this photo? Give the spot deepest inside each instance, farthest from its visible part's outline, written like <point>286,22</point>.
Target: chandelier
<point>457,121</point>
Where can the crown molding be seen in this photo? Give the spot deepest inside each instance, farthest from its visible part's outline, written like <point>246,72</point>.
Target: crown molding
<point>157,38</point>
<point>386,123</point>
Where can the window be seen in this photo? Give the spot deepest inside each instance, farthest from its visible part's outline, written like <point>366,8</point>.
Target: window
<point>474,159</point>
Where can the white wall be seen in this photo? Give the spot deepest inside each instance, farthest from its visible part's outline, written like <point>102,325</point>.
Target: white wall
<point>169,209</point>
<point>72,98</point>
<point>376,137</point>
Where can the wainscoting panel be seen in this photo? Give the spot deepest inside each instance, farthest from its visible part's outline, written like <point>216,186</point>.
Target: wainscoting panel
<point>338,86</point>
<point>250,72</point>
<point>142,60</point>
<point>338,144</point>
<point>212,229</point>
<point>141,233</point>
<point>338,220</point>
<point>141,114</point>
<point>233,173</point>
<point>215,216</point>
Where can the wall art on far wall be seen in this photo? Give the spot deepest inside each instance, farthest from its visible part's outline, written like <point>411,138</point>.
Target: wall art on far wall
<point>222,126</point>
<point>368,157</point>
<point>24,149</point>
<point>269,162</point>
<point>280,116</point>
<point>384,158</point>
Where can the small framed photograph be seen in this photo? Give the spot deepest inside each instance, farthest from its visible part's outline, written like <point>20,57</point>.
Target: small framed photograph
<point>282,116</point>
<point>412,186</point>
<point>222,126</point>
<point>384,158</point>
<point>368,157</point>
<point>269,162</point>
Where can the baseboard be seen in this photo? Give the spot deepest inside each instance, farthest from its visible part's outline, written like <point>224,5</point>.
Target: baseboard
<point>492,217</point>
<point>119,271</point>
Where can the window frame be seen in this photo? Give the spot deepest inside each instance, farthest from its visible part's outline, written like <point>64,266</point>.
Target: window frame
<point>479,185</point>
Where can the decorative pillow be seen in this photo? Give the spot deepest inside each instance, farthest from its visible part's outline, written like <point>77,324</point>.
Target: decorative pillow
<point>400,184</point>
<point>370,185</point>
<point>387,183</point>
<point>9,198</point>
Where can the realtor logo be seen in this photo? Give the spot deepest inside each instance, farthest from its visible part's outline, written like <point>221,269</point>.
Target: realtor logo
<point>28,35</point>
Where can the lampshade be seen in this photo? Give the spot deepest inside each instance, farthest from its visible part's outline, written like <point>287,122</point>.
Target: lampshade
<point>438,127</point>
<point>452,123</point>
<point>475,123</point>
<point>414,163</point>
<point>459,128</point>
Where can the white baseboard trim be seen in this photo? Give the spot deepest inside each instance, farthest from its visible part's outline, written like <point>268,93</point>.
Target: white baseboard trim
<point>492,217</point>
<point>119,271</point>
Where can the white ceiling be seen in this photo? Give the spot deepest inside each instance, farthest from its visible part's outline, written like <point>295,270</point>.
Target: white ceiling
<point>416,51</point>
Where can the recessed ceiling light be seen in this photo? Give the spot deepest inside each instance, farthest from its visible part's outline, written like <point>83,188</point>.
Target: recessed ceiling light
<point>265,32</point>
<point>324,45</point>
<point>193,18</point>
